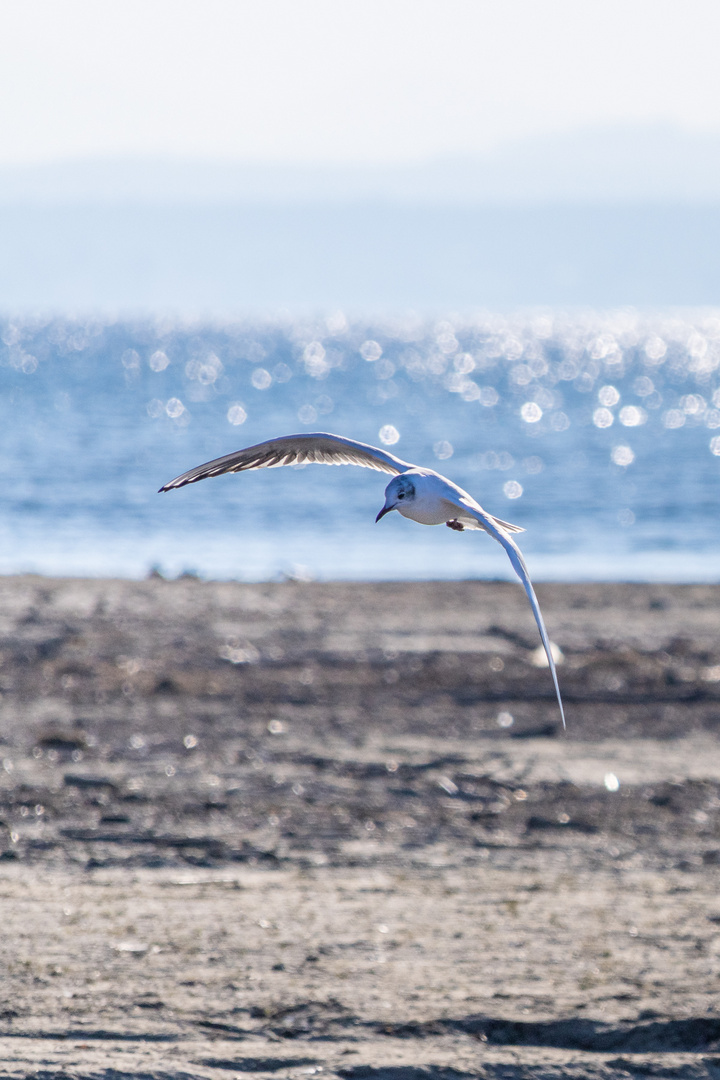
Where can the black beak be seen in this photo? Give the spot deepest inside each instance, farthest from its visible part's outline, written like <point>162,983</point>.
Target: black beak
<point>385,510</point>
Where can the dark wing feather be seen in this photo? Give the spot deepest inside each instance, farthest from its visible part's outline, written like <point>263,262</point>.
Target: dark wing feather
<point>312,448</point>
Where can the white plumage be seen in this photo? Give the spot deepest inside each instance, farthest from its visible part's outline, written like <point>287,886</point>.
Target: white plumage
<point>421,495</point>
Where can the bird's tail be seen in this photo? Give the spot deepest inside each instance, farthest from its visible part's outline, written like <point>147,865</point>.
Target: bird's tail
<point>507,526</point>
<point>521,570</point>
<point>499,531</point>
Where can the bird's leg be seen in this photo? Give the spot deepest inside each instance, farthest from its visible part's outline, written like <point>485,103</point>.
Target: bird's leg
<point>456,525</point>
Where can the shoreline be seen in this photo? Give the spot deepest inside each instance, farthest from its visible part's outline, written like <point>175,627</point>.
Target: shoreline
<point>156,572</point>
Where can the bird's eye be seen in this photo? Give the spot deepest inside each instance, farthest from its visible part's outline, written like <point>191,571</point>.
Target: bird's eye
<point>401,495</point>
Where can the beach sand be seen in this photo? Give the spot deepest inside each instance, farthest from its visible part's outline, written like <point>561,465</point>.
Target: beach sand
<point>298,828</point>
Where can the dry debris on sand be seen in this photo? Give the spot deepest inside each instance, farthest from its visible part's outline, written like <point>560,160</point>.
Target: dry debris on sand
<point>292,829</point>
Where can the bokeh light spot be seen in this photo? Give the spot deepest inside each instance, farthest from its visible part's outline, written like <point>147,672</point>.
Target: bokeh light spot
<point>643,386</point>
<point>622,455</point>
<point>603,418</point>
<point>533,465</point>
<point>608,396</point>
<point>389,435</point>
<point>693,404</point>
<point>130,360</point>
<point>655,349</point>
<point>632,416</point>
<point>464,363</point>
<point>316,363</point>
<point>261,379</point>
<point>531,412</point>
<point>282,373</point>
<point>674,418</point>
<point>443,450</point>
<point>371,350</point>
<point>158,361</point>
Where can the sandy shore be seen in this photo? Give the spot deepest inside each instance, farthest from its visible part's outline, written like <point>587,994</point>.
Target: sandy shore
<point>298,828</point>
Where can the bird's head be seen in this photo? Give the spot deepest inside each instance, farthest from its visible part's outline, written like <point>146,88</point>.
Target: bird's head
<point>399,492</point>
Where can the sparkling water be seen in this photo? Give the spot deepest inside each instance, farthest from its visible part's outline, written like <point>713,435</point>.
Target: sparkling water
<point>598,433</point>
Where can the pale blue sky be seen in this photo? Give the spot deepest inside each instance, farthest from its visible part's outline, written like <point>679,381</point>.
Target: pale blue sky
<point>369,81</point>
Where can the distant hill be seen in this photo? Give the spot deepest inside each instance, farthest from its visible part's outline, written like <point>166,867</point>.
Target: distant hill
<point>599,218</point>
<point>640,163</point>
<point>362,257</point>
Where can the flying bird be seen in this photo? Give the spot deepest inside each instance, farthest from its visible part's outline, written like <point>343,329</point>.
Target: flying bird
<point>422,495</point>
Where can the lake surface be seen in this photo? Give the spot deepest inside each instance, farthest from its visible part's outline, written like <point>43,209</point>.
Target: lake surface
<point>599,433</point>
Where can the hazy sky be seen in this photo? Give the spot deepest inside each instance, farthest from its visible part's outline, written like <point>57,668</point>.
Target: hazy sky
<point>343,80</point>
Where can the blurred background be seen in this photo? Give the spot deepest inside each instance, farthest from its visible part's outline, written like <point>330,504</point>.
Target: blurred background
<point>485,235</point>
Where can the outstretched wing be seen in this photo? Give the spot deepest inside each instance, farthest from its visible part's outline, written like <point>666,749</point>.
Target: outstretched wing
<point>315,447</point>
<point>495,527</point>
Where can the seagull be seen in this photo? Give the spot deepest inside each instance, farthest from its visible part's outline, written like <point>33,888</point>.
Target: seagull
<point>421,495</point>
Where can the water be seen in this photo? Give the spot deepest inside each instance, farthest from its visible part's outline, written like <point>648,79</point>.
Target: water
<point>599,433</point>
<point>373,255</point>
